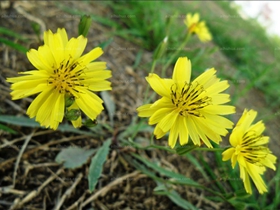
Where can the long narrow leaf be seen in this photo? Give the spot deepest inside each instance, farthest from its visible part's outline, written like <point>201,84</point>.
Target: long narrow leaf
<point>11,33</point>
<point>97,163</point>
<point>179,178</point>
<point>16,46</point>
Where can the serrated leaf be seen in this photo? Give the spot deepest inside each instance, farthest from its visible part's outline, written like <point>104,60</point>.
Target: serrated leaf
<point>73,157</point>
<point>96,164</point>
<point>110,105</point>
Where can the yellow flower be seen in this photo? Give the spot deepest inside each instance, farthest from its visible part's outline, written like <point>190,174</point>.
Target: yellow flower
<point>189,108</point>
<point>60,70</point>
<point>249,149</point>
<point>199,28</point>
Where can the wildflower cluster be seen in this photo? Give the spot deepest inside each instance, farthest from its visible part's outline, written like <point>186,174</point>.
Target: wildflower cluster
<point>65,82</point>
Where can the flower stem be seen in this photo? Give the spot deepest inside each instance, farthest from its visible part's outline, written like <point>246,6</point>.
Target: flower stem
<point>210,149</point>
<point>148,86</point>
<point>175,54</point>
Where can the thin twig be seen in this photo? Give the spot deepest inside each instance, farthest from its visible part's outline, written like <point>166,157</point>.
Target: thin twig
<point>30,17</point>
<point>34,193</point>
<point>20,154</point>
<point>105,189</point>
<point>75,205</point>
<point>69,191</point>
<point>7,162</point>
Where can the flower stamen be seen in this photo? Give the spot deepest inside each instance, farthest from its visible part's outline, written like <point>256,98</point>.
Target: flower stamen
<point>188,100</point>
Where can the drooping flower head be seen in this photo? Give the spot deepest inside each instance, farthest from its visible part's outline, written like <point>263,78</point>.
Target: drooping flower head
<point>189,108</point>
<point>197,27</point>
<point>62,73</point>
<point>249,149</point>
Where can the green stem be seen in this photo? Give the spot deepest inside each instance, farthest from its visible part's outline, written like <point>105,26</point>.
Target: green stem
<point>175,55</point>
<point>148,86</point>
<point>210,149</point>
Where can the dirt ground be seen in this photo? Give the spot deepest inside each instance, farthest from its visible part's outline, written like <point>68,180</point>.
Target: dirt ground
<point>41,183</point>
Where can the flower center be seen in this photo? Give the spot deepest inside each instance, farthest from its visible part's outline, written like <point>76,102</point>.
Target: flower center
<point>66,77</point>
<point>251,148</point>
<point>189,100</point>
<point>192,28</point>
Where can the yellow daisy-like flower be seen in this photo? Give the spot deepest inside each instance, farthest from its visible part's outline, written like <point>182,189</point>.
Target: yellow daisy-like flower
<point>197,27</point>
<point>60,71</point>
<point>249,149</point>
<point>189,108</point>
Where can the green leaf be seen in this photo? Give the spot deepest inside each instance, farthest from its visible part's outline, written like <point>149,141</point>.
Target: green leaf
<point>162,189</point>
<point>27,122</point>
<point>110,105</point>
<point>103,45</point>
<point>134,128</point>
<point>7,129</point>
<point>182,150</point>
<point>84,25</point>
<point>179,201</point>
<point>16,46</point>
<point>73,157</point>
<point>19,120</point>
<point>8,32</point>
<point>174,177</point>
<point>198,166</point>
<point>96,164</point>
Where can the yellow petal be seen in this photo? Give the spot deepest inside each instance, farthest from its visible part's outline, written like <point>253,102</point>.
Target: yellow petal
<point>204,77</point>
<point>145,110</point>
<point>159,85</point>
<point>158,132</point>
<point>75,47</point>
<point>159,115</point>
<point>93,76</point>
<point>100,86</point>
<point>227,154</point>
<point>245,177</point>
<point>184,133</point>
<point>95,66</point>
<point>193,131</point>
<point>182,71</point>
<point>167,122</point>
<point>62,33</point>
<point>38,102</point>
<point>91,56</point>
<point>77,123</point>
<point>256,177</point>
<point>219,109</point>
<point>217,88</point>
<point>90,104</point>
<point>173,135</point>
<point>34,58</point>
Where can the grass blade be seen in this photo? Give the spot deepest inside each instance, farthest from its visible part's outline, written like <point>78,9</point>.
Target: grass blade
<point>16,46</point>
<point>178,178</point>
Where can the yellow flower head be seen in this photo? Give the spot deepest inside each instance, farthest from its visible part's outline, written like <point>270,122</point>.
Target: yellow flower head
<point>197,27</point>
<point>249,149</point>
<point>61,70</point>
<point>189,108</point>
